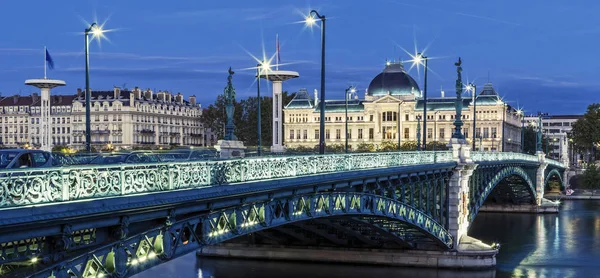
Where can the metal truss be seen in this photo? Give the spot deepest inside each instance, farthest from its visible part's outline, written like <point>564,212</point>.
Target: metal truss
<point>132,255</point>
<point>553,172</point>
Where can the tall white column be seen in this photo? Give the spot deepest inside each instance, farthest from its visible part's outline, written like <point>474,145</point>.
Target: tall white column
<point>277,118</point>
<point>45,119</point>
<point>540,178</point>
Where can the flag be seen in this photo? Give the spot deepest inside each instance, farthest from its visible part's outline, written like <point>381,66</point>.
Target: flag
<point>278,56</point>
<point>49,60</point>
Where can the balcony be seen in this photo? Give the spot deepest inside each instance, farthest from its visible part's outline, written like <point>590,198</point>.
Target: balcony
<point>106,131</point>
<point>196,134</point>
<point>145,143</point>
<point>147,131</point>
<point>174,133</point>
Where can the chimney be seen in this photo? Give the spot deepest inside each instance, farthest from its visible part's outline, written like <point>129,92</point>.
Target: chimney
<point>161,95</point>
<point>316,97</point>
<point>179,98</point>
<point>148,94</point>
<point>79,93</point>
<point>193,100</point>
<point>137,93</point>
<point>132,98</point>
<point>117,92</point>
<point>168,97</point>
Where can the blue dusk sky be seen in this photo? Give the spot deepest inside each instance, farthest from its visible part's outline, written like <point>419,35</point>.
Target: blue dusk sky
<point>540,55</point>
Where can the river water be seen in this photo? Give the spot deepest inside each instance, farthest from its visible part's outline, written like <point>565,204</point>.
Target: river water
<point>532,246</point>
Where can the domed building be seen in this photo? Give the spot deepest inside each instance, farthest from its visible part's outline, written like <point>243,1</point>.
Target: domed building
<point>391,112</point>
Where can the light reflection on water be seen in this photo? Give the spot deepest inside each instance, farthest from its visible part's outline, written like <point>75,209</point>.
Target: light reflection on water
<point>533,246</point>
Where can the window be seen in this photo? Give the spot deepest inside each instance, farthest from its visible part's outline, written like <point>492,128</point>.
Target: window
<point>317,134</point>
<point>327,134</point>
<point>349,135</point>
<point>406,133</point>
<point>291,134</point>
<point>360,134</point>
<point>305,134</point>
<point>298,134</point>
<point>442,133</point>
<point>486,132</point>
<point>406,117</point>
<point>338,134</point>
<point>371,133</point>
<point>429,133</point>
<point>494,133</point>
<point>370,118</point>
<point>466,133</point>
<point>478,132</point>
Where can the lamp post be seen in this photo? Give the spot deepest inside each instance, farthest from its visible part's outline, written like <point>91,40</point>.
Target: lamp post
<point>351,90</point>
<point>434,129</point>
<point>473,87</point>
<point>418,132</point>
<point>259,147</point>
<point>503,123</point>
<point>310,20</point>
<point>96,32</point>
<point>520,113</point>
<point>420,57</point>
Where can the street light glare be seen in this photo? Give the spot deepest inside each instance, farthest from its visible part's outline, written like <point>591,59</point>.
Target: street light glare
<point>353,90</point>
<point>310,20</point>
<point>97,31</point>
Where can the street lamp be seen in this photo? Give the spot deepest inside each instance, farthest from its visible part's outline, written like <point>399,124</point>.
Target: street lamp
<point>96,32</point>
<point>522,115</point>
<point>473,88</point>
<point>422,59</point>
<point>418,132</point>
<point>503,123</point>
<point>311,20</point>
<point>434,129</point>
<point>351,90</point>
<point>265,67</point>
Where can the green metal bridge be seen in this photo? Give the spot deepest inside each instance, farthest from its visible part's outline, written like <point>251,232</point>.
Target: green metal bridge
<point>118,220</point>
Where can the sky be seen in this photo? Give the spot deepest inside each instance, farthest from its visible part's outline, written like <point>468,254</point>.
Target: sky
<point>539,55</point>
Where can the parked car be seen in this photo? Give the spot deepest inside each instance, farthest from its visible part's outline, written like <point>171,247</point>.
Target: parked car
<point>133,157</point>
<point>21,158</point>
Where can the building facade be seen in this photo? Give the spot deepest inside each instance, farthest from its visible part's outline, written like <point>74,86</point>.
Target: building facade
<point>120,119</point>
<point>390,112</point>
<point>557,129</point>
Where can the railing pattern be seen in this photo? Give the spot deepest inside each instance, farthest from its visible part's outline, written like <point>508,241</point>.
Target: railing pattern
<point>19,187</point>
<point>502,156</point>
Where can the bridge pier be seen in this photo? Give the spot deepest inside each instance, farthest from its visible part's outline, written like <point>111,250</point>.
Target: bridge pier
<point>540,178</point>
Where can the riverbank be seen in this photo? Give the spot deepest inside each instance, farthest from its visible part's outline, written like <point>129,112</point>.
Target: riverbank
<point>572,197</point>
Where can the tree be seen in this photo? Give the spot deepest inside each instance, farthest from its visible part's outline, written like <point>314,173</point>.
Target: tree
<point>586,131</point>
<point>388,146</point>
<point>591,177</point>
<point>408,146</point>
<point>530,143</point>
<point>365,147</point>
<point>436,145</point>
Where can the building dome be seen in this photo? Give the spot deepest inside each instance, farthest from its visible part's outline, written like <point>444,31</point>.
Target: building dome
<point>393,81</point>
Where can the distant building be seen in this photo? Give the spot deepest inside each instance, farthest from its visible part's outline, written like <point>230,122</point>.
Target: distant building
<point>557,128</point>
<point>120,119</point>
<point>389,112</point>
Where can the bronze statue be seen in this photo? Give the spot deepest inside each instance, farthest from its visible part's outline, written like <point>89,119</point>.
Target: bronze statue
<point>458,123</point>
<point>229,94</point>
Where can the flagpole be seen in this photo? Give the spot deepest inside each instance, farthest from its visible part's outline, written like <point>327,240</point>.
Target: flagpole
<point>44,62</point>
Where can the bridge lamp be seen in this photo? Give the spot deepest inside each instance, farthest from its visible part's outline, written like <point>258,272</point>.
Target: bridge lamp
<point>96,31</point>
<point>350,90</point>
<point>311,20</point>
<point>34,260</point>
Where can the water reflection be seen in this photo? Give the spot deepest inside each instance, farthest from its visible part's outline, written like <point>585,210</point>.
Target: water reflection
<point>533,246</point>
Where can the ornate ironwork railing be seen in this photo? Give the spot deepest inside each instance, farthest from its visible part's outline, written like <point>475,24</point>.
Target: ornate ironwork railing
<point>19,187</point>
<point>502,156</point>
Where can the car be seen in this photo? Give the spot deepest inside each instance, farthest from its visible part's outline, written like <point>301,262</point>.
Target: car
<point>22,158</point>
<point>129,158</point>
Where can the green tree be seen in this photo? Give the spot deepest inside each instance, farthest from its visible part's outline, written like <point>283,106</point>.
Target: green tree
<point>408,146</point>
<point>591,177</point>
<point>365,147</point>
<point>59,148</point>
<point>530,143</point>
<point>388,146</point>
<point>586,131</point>
<point>335,148</point>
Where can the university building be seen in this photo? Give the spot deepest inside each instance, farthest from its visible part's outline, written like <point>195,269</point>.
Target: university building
<point>121,119</point>
<point>390,110</point>
<point>557,129</point>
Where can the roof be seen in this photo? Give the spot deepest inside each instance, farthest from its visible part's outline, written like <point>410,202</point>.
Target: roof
<point>301,100</point>
<point>34,100</point>
<point>393,81</point>
<point>124,97</point>
<point>354,105</point>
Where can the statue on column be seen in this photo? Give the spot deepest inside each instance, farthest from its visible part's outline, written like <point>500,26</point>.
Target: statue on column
<point>538,145</point>
<point>229,93</point>
<point>458,123</point>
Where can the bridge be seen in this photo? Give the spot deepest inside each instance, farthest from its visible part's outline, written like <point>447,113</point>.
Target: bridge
<point>119,220</point>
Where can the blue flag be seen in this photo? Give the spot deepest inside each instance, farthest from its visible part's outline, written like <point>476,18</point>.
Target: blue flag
<point>49,60</point>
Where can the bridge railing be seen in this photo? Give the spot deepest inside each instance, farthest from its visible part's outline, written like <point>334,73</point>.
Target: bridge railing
<point>19,187</point>
<point>502,156</point>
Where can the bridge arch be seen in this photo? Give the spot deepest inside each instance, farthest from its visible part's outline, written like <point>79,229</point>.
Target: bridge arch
<point>140,252</point>
<point>553,173</point>
<point>491,184</point>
